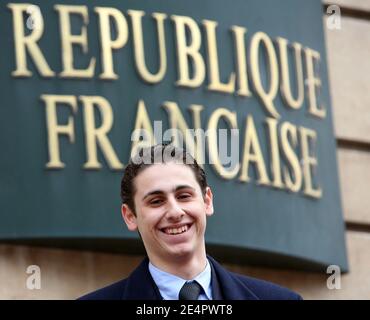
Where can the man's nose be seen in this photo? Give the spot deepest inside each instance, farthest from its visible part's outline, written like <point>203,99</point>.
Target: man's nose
<point>174,210</point>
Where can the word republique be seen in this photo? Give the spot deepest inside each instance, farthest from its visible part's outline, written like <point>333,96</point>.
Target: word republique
<point>290,148</point>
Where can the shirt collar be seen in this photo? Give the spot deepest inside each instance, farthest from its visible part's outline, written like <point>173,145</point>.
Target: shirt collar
<point>169,285</point>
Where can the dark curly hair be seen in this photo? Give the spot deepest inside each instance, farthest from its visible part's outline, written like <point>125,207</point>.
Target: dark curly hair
<point>160,153</point>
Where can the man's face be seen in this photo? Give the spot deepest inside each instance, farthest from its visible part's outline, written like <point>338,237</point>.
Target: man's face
<point>170,211</point>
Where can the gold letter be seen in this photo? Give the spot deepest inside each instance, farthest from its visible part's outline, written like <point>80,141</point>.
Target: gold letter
<point>54,129</point>
<point>143,129</point>
<point>241,62</point>
<point>185,51</point>
<point>230,117</point>
<point>214,73</point>
<point>69,39</point>
<point>194,144</point>
<point>267,97</point>
<point>285,79</point>
<point>313,82</point>
<point>139,46</point>
<point>275,155</point>
<point>251,142</point>
<point>308,161</point>
<point>27,43</point>
<point>96,136</point>
<point>106,42</point>
<point>293,184</point>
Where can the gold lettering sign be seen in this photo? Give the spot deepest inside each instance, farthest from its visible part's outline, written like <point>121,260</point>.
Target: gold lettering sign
<point>281,154</point>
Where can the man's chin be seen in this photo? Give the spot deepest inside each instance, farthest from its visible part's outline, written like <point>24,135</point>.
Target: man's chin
<point>181,253</point>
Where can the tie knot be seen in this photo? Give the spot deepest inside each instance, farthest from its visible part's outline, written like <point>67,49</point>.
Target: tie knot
<point>190,291</point>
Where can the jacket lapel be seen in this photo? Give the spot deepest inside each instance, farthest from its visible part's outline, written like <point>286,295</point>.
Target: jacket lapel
<point>231,287</point>
<point>216,289</point>
<point>140,284</point>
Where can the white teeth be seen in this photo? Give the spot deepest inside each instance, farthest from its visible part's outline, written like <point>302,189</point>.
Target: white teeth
<point>176,230</point>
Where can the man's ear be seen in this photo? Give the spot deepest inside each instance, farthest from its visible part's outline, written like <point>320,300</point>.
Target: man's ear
<point>129,217</point>
<point>208,201</point>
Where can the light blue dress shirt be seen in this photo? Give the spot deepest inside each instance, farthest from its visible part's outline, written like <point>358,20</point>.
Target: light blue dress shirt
<point>170,285</point>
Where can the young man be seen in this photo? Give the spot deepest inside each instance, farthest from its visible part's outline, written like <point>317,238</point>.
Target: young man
<point>165,197</point>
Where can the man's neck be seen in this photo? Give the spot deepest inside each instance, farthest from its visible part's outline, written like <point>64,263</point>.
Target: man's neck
<point>183,267</point>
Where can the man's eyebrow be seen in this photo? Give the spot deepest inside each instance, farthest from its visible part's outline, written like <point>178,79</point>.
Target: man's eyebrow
<point>183,186</point>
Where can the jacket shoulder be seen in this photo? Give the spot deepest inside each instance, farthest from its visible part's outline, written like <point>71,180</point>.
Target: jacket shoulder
<point>266,290</point>
<point>111,292</point>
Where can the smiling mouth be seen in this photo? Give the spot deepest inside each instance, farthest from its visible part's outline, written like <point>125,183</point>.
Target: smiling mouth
<point>176,231</point>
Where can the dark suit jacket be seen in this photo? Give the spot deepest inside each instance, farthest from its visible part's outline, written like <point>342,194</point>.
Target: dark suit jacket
<point>228,286</point>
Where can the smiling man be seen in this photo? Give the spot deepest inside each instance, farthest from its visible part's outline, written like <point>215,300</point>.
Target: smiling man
<point>166,198</point>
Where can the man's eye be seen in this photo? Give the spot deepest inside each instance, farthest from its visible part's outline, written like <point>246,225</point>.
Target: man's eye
<point>184,196</point>
<point>155,201</point>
